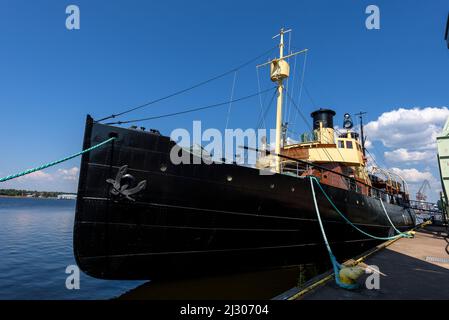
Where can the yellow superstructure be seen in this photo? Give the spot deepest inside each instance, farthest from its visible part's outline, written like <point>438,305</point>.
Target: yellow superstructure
<point>346,150</point>
<point>343,150</point>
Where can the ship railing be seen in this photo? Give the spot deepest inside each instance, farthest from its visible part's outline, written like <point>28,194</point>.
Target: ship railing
<point>425,207</point>
<point>428,211</point>
<point>303,167</point>
<point>357,186</point>
<point>294,167</point>
<point>297,168</point>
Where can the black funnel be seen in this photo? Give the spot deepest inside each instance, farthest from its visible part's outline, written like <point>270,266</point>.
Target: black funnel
<point>326,116</point>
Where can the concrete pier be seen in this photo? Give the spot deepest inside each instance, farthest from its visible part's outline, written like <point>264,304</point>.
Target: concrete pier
<point>416,268</point>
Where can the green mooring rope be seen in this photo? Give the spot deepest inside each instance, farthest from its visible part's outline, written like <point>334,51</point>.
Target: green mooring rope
<point>405,235</point>
<point>50,164</point>
<point>401,235</point>
<point>337,266</point>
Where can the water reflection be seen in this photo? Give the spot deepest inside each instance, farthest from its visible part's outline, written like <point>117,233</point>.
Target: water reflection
<point>36,248</point>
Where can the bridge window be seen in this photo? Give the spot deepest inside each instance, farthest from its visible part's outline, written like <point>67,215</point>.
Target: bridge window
<point>341,144</point>
<point>349,144</point>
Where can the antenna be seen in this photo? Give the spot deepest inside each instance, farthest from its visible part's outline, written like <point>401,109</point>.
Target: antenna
<point>362,138</point>
<point>446,35</point>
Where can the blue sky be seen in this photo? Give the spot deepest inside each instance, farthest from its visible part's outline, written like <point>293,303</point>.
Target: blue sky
<point>130,52</point>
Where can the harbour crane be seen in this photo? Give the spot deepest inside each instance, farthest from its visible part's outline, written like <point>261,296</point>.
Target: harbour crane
<point>421,194</point>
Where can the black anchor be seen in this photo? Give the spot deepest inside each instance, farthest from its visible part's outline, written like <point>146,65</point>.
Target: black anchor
<point>122,190</point>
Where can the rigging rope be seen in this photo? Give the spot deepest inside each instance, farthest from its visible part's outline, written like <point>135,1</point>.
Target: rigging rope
<point>191,110</point>
<point>302,83</point>
<point>50,164</point>
<point>309,96</point>
<point>189,88</point>
<point>260,97</point>
<point>374,159</point>
<point>327,154</point>
<point>232,97</point>
<point>293,88</point>
<point>263,115</point>
<point>299,111</point>
<point>285,120</point>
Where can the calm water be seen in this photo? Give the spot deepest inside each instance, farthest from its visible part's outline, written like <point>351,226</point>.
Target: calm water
<point>36,248</point>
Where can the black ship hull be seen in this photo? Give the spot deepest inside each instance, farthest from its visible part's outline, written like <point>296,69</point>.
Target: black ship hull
<point>195,219</point>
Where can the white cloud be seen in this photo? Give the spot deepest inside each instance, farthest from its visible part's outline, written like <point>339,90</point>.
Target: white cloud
<point>404,155</point>
<point>66,174</point>
<point>59,180</point>
<point>368,144</point>
<point>409,139</point>
<point>38,175</point>
<point>415,128</point>
<point>415,179</point>
<point>291,141</point>
<point>413,175</point>
<point>69,174</point>
<point>371,161</point>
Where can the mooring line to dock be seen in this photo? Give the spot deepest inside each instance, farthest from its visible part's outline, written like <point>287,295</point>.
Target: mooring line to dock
<point>401,235</point>
<point>51,164</point>
<point>405,235</point>
<point>336,266</point>
<point>325,277</point>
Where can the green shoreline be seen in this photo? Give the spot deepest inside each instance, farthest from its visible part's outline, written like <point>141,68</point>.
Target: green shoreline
<point>16,193</point>
<point>25,197</point>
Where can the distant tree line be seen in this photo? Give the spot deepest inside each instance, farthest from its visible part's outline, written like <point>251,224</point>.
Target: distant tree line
<point>28,193</point>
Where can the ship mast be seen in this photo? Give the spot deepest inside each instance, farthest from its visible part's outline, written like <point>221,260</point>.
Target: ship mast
<point>279,102</point>
<point>280,70</point>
